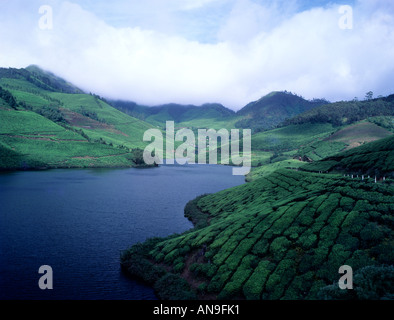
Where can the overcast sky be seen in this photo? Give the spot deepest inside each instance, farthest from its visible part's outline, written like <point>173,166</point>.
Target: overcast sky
<point>196,51</point>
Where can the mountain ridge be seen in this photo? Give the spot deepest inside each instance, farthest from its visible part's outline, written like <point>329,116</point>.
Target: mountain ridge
<point>263,114</point>
<point>281,236</point>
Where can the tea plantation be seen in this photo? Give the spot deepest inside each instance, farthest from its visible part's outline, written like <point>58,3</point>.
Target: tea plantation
<point>283,236</point>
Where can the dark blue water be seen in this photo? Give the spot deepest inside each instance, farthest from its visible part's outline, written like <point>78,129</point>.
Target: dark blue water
<point>78,222</point>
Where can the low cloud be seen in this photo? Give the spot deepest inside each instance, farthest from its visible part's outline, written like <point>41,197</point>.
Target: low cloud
<point>258,49</point>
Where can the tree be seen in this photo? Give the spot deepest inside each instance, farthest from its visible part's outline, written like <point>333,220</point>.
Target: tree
<point>138,156</point>
<point>369,95</point>
<point>8,97</point>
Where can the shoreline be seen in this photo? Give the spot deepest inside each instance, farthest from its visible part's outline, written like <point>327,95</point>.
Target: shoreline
<point>20,169</point>
<point>167,283</point>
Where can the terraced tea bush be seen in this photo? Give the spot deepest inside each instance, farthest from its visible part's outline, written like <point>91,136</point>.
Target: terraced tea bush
<point>285,235</point>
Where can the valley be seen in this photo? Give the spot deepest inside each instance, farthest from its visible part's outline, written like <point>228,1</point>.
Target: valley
<point>319,196</point>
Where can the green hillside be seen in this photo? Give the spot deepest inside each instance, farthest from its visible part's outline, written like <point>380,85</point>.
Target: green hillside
<point>373,159</point>
<point>48,123</point>
<point>36,77</point>
<point>264,114</point>
<point>312,203</point>
<point>290,137</point>
<point>273,109</point>
<point>29,141</point>
<point>283,236</point>
<point>211,115</point>
<point>346,112</point>
<point>294,145</point>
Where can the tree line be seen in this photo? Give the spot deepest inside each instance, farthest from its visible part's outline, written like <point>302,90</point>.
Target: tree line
<point>8,97</point>
<point>344,112</point>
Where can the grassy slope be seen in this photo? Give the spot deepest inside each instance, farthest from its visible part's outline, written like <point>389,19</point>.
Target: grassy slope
<point>359,133</point>
<point>311,141</point>
<point>347,112</point>
<point>30,140</point>
<point>121,129</point>
<point>375,158</point>
<point>290,137</point>
<point>279,237</point>
<point>283,144</point>
<point>208,119</point>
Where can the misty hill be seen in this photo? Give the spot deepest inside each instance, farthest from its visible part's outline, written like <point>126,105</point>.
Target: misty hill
<point>281,236</point>
<point>95,120</point>
<point>321,132</point>
<point>266,113</point>
<point>47,122</point>
<point>39,78</point>
<point>210,115</point>
<point>275,108</point>
<point>346,112</point>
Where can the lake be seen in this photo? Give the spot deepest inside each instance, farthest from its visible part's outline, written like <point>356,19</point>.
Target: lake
<point>78,222</point>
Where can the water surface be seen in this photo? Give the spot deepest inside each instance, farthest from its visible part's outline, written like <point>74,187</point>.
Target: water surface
<point>78,222</point>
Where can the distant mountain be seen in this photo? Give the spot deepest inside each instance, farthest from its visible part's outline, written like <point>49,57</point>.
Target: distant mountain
<point>260,115</point>
<point>182,115</point>
<point>346,112</point>
<point>42,79</point>
<point>275,108</point>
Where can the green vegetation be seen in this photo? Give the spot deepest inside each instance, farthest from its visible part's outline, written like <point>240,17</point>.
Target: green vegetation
<point>320,195</point>
<point>207,116</point>
<point>269,168</point>
<point>38,78</point>
<point>7,98</point>
<point>30,141</point>
<point>264,114</point>
<point>279,237</point>
<point>48,123</point>
<point>384,122</point>
<point>359,133</point>
<point>290,137</point>
<point>343,112</point>
<point>370,283</point>
<point>294,145</point>
<point>285,234</point>
<point>273,109</point>
<point>374,159</point>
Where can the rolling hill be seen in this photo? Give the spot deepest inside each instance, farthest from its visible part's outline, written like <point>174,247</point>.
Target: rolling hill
<point>37,77</point>
<point>264,114</point>
<point>47,122</point>
<point>273,109</point>
<point>374,159</point>
<point>283,236</point>
<point>210,115</point>
<point>346,112</point>
<point>312,203</point>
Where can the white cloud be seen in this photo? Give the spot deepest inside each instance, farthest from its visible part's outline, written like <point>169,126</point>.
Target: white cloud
<point>260,49</point>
